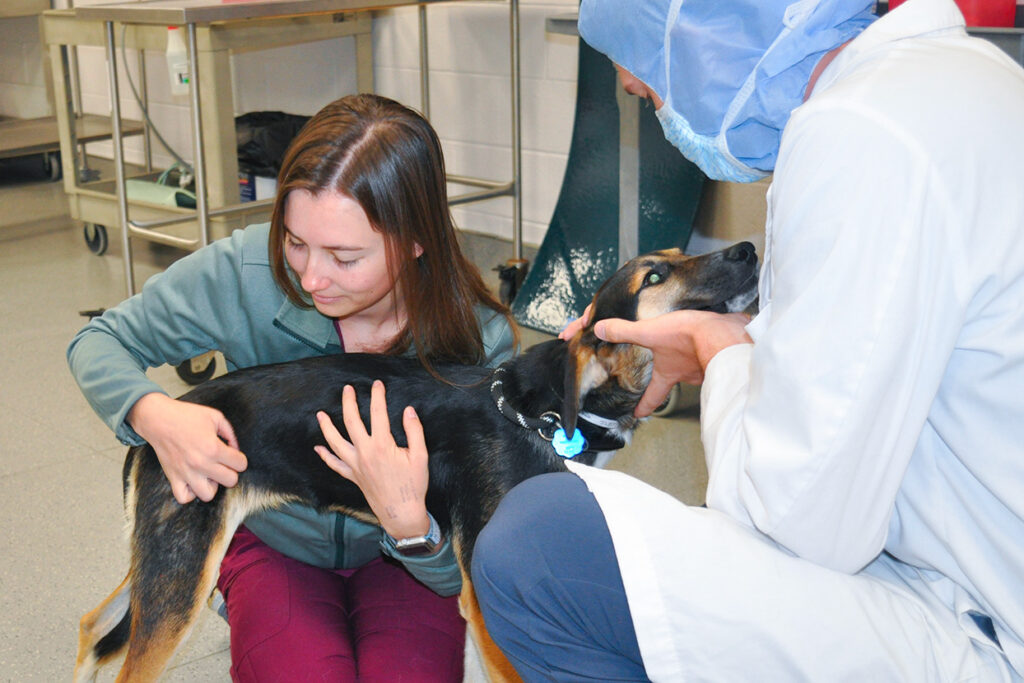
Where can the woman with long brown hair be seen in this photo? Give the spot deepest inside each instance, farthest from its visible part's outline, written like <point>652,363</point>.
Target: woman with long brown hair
<point>361,255</point>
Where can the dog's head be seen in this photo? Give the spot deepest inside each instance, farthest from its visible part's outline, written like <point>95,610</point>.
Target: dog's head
<point>645,287</point>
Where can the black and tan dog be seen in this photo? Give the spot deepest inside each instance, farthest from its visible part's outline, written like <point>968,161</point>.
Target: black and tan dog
<point>477,451</point>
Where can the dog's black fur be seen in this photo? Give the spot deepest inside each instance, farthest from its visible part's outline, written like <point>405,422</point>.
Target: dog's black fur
<point>476,453</point>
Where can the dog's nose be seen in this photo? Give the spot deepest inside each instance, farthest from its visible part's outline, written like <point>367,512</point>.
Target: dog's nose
<point>744,251</point>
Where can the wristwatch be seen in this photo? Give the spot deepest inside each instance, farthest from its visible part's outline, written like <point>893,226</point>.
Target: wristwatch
<point>417,545</point>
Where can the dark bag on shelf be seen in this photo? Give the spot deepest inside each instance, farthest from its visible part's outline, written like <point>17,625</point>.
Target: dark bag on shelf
<point>262,138</point>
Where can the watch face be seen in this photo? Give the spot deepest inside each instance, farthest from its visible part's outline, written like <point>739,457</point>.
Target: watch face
<point>417,545</point>
<point>414,547</point>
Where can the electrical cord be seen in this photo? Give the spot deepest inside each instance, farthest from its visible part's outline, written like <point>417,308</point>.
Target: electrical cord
<point>128,72</point>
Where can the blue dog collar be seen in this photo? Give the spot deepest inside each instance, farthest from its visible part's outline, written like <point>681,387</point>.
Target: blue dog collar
<point>568,448</point>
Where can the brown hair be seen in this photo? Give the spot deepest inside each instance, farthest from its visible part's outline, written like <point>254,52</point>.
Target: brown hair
<point>388,158</point>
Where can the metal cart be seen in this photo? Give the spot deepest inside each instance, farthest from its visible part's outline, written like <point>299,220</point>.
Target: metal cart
<point>214,30</point>
<point>22,137</point>
<point>40,137</point>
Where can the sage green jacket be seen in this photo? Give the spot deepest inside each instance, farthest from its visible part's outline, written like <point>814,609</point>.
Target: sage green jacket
<point>223,297</point>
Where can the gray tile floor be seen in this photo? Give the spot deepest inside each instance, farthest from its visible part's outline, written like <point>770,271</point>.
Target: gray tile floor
<point>61,527</point>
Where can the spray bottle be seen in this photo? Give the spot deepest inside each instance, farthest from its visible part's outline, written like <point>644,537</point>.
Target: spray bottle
<point>177,61</point>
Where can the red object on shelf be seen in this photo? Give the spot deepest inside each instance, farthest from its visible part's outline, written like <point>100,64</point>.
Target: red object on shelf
<point>982,12</point>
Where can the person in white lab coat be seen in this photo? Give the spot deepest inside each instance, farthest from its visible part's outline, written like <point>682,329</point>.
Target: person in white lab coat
<point>864,433</point>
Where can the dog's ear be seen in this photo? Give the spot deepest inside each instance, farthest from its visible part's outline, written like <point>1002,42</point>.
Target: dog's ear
<point>583,372</point>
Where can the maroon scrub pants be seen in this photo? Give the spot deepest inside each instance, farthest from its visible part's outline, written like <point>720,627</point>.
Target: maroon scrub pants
<point>291,621</point>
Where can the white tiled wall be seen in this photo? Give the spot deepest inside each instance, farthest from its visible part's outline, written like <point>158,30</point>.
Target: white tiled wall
<point>469,82</point>
<point>22,88</point>
<point>470,98</point>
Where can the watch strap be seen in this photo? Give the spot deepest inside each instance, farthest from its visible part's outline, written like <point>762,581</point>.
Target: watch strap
<point>416,545</point>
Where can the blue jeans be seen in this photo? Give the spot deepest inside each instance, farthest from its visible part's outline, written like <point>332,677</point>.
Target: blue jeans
<point>545,573</point>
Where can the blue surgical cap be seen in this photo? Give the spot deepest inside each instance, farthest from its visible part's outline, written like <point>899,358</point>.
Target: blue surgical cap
<point>731,68</point>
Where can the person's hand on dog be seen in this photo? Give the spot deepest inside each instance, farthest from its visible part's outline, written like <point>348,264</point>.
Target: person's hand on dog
<point>195,445</point>
<point>576,325</point>
<point>393,479</point>
<point>683,343</point>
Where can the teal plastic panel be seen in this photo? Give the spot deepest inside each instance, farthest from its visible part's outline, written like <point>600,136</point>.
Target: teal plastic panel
<point>581,247</point>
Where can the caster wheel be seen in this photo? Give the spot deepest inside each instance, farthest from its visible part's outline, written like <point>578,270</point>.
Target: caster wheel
<point>51,165</point>
<point>95,238</point>
<point>197,370</point>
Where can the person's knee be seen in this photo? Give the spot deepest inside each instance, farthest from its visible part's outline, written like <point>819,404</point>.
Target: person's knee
<point>511,546</point>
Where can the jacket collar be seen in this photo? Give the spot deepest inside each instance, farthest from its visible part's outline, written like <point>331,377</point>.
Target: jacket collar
<point>911,19</point>
<point>308,326</point>
<point>314,329</point>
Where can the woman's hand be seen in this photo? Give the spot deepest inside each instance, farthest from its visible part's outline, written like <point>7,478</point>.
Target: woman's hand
<point>195,445</point>
<point>683,343</point>
<point>576,325</point>
<point>393,479</point>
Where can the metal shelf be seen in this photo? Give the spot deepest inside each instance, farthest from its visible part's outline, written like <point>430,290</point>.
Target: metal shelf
<point>21,137</point>
<point>22,8</point>
<point>214,29</point>
<point>103,203</point>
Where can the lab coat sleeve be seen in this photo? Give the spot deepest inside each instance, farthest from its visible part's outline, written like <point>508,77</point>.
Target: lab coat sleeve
<point>808,431</point>
<point>180,313</point>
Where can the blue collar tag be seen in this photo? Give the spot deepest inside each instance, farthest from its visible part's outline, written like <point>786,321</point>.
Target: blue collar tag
<point>568,448</point>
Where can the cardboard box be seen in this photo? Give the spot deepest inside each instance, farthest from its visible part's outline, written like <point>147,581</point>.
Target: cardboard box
<point>730,213</point>
<point>253,187</point>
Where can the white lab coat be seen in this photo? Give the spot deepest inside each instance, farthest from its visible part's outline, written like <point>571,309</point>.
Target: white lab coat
<point>866,453</point>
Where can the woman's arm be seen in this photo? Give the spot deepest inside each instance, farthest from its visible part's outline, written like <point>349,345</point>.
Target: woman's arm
<point>498,337</point>
<point>195,445</point>
<point>393,479</point>
<point>186,310</point>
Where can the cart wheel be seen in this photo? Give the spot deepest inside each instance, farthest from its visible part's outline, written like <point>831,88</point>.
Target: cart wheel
<point>672,402</point>
<point>51,165</point>
<point>95,238</point>
<point>193,371</point>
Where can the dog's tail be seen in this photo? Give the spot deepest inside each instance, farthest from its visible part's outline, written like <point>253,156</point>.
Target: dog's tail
<point>103,633</point>
<point>176,551</point>
<point>111,644</point>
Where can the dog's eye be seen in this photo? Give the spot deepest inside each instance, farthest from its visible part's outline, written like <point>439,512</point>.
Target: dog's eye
<point>653,278</point>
